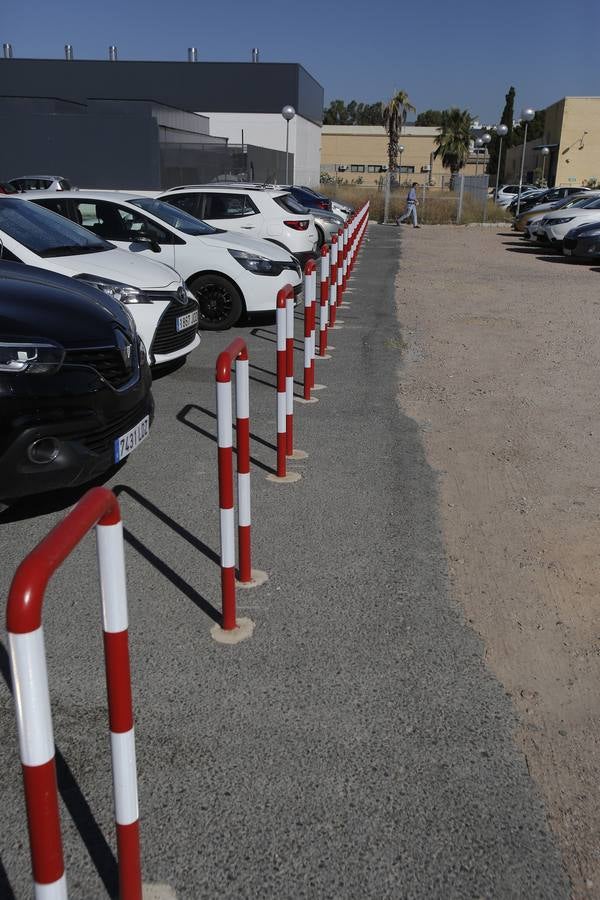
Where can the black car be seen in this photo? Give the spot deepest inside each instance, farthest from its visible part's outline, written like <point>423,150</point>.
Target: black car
<point>552,195</point>
<point>307,198</point>
<point>75,393</point>
<point>583,242</point>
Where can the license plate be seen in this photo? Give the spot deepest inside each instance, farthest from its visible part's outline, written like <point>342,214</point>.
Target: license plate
<point>567,252</point>
<point>186,321</point>
<point>131,439</point>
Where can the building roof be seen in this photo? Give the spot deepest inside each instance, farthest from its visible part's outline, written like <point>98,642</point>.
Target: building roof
<point>366,130</point>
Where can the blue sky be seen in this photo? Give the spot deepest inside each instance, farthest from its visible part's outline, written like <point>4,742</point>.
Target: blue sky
<point>442,54</point>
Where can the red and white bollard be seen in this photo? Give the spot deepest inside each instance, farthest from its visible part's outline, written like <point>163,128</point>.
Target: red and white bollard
<point>346,256</point>
<point>237,353</point>
<point>333,268</point>
<point>284,296</point>
<point>340,268</point>
<point>289,373</point>
<point>98,508</point>
<point>323,299</point>
<point>310,293</point>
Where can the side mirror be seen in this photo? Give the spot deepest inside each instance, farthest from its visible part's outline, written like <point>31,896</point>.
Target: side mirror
<point>142,238</point>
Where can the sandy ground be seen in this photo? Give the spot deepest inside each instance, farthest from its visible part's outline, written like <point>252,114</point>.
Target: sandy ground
<point>500,369</point>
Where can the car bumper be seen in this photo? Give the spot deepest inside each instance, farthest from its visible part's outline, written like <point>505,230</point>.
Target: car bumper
<point>84,427</point>
<point>303,258</point>
<point>588,248</point>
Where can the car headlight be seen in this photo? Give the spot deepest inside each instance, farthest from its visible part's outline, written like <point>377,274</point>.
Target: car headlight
<point>560,221</point>
<point>124,293</point>
<point>260,265</point>
<point>30,357</point>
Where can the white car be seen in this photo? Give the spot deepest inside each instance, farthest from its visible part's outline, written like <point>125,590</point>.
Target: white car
<point>229,274</point>
<point>164,312</point>
<point>555,224</point>
<point>40,183</point>
<point>252,211</point>
<point>509,192</point>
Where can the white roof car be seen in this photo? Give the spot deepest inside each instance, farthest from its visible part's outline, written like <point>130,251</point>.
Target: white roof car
<point>555,224</point>
<point>509,192</point>
<point>253,211</point>
<point>228,273</point>
<point>164,312</point>
<point>40,183</point>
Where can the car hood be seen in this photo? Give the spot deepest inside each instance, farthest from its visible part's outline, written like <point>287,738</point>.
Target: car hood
<point>120,265</point>
<point>35,303</point>
<point>586,215</point>
<point>228,240</point>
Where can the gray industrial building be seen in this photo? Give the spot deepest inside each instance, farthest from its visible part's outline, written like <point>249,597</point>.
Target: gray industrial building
<point>146,125</point>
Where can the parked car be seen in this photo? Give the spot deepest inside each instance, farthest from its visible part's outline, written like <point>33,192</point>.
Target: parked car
<point>340,209</point>
<point>6,188</point>
<point>508,192</point>
<point>165,313</point>
<point>555,224</point>
<point>75,393</point>
<point>253,211</point>
<point>538,211</point>
<point>553,195</point>
<point>227,273</point>
<point>533,194</point>
<point>327,223</point>
<point>307,197</point>
<point>40,183</point>
<point>583,242</point>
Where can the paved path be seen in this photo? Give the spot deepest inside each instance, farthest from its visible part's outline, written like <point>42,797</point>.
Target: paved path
<point>354,747</point>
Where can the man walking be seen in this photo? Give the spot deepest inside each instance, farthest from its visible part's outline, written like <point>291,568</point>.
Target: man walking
<point>411,206</point>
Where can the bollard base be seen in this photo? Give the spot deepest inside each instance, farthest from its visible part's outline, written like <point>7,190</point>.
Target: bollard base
<point>319,387</point>
<point>158,892</point>
<point>325,356</point>
<point>258,577</point>
<point>290,478</point>
<point>297,454</point>
<point>244,629</point>
<point>302,400</point>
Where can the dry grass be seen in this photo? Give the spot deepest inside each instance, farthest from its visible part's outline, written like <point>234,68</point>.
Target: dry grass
<point>439,207</point>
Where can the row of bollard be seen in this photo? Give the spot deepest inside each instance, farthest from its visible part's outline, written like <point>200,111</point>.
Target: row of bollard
<point>99,509</point>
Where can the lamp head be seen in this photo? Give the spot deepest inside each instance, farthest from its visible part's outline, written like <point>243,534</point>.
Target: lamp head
<point>288,112</point>
<point>528,114</point>
<point>545,151</point>
<point>501,130</point>
<point>401,148</point>
<point>486,138</point>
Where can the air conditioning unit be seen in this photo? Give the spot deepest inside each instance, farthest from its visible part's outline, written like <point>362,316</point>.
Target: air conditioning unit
<point>383,168</point>
<point>425,168</point>
<point>342,168</point>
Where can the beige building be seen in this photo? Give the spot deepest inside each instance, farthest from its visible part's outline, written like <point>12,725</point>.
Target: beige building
<point>359,153</point>
<point>572,134</point>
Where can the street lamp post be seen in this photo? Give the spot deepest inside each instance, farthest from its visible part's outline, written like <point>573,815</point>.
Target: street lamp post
<point>485,139</point>
<point>288,112</point>
<point>478,144</point>
<point>545,151</point>
<point>400,151</point>
<point>526,116</point>
<point>501,131</point>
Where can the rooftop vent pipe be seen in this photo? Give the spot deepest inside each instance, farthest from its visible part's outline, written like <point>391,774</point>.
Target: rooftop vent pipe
<point>192,54</point>
<point>68,51</point>
<point>112,53</point>
<point>255,54</point>
<point>8,54</point>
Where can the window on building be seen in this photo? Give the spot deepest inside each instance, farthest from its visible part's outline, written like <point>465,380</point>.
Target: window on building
<point>357,168</point>
<point>408,170</point>
<point>374,169</point>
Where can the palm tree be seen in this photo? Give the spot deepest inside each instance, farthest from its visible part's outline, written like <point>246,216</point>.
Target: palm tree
<point>394,114</point>
<point>453,139</point>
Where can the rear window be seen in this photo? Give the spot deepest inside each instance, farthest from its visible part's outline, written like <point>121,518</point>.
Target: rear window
<point>290,204</point>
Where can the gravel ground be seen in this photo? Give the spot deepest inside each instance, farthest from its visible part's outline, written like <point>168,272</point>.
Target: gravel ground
<point>356,746</point>
<point>502,350</point>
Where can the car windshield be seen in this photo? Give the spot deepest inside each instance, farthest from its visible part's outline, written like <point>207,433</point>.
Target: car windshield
<point>46,233</point>
<point>588,203</point>
<point>289,202</point>
<point>173,216</point>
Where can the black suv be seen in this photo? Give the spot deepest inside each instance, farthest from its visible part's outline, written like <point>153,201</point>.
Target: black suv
<point>75,393</point>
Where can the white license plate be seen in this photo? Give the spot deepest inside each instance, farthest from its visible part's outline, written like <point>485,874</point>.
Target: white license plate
<point>567,252</point>
<point>131,439</point>
<point>187,321</point>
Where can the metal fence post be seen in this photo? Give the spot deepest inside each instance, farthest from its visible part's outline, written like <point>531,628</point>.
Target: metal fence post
<point>461,191</point>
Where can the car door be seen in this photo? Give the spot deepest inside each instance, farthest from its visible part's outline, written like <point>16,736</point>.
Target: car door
<point>234,212</point>
<point>127,228</point>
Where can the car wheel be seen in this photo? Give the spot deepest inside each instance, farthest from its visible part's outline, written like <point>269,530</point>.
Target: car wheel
<point>219,301</point>
<point>320,237</point>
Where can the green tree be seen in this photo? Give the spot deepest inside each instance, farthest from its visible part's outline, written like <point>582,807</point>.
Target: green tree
<point>508,114</point>
<point>353,113</point>
<point>394,114</point>
<point>430,117</point>
<point>453,140</point>
<point>336,114</point>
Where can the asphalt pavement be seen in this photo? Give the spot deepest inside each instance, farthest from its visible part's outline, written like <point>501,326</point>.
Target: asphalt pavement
<point>355,746</point>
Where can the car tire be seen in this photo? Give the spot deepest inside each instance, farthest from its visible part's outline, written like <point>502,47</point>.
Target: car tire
<point>320,237</point>
<point>220,303</point>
